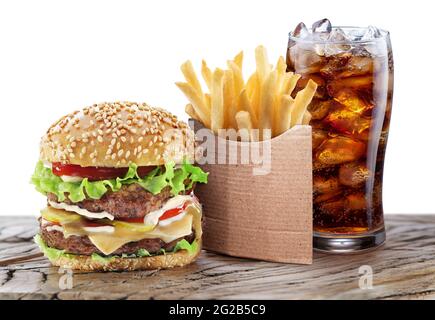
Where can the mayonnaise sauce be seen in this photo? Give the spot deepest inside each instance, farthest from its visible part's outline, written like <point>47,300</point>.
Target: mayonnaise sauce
<point>81,211</point>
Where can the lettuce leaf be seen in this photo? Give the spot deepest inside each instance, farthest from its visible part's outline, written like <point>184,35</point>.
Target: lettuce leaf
<point>54,254</point>
<point>143,253</point>
<point>51,253</point>
<point>185,245</point>
<point>47,182</point>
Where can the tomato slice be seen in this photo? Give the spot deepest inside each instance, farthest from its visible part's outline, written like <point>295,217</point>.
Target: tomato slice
<point>95,173</point>
<point>166,215</point>
<point>173,212</point>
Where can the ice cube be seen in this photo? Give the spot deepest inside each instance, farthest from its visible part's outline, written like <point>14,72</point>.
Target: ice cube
<point>346,121</point>
<point>306,60</point>
<point>353,174</point>
<point>319,109</point>
<point>301,31</point>
<point>358,83</point>
<point>327,196</point>
<point>357,66</point>
<point>356,201</point>
<point>338,35</point>
<point>340,150</point>
<point>323,25</point>
<point>371,33</point>
<point>335,64</point>
<point>323,185</point>
<point>336,208</point>
<point>354,100</point>
<point>337,42</point>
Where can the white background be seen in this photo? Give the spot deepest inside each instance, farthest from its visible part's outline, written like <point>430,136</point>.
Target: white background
<point>58,56</point>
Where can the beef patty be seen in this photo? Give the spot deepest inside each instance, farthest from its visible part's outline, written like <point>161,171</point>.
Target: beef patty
<point>83,245</point>
<point>131,201</point>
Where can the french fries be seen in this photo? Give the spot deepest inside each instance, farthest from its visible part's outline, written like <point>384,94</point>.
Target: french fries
<point>264,101</point>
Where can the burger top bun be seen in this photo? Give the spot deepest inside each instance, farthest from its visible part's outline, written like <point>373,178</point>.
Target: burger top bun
<point>117,134</point>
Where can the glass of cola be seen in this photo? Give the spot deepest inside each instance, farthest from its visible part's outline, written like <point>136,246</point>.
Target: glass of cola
<point>350,116</point>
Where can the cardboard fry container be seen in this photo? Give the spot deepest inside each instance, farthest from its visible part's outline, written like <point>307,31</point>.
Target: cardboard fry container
<point>260,207</point>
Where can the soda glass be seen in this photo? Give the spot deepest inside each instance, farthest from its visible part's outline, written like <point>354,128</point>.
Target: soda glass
<point>350,116</point>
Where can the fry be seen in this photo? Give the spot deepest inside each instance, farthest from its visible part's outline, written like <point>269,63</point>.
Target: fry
<point>229,100</point>
<point>253,92</point>
<point>217,101</point>
<point>268,92</point>
<point>189,74</point>
<point>197,102</point>
<point>280,68</point>
<point>283,114</point>
<point>263,66</point>
<point>207,98</point>
<point>290,81</point>
<point>245,105</point>
<point>191,111</point>
<point>237,77</point>
<point>206,74</point>
<point>306,118</point>
<point>238,60</point>
<point>302,100</point>
<point>244,125</point>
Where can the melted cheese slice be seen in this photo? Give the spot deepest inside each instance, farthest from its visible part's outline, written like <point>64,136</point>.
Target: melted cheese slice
<point>110,242</point>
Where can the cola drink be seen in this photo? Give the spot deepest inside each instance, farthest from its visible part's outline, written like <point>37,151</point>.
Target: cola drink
<point>351,112</point>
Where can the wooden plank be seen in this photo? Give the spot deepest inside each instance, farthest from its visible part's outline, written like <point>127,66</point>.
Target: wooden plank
<point>404,268</point>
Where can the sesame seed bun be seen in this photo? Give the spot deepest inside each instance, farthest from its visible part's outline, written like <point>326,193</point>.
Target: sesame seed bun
<point>116,134</point>
<point>163,261</point>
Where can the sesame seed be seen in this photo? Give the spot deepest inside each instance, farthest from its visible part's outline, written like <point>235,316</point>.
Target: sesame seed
<point>100,139</point>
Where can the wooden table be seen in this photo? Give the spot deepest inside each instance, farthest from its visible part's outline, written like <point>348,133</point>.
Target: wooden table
<point>404,268</point>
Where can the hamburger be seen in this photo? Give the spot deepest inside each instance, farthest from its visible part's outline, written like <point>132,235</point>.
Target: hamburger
<point>119,180</point>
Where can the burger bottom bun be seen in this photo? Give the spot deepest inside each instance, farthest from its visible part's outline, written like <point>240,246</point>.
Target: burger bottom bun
<point>163,261</point>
